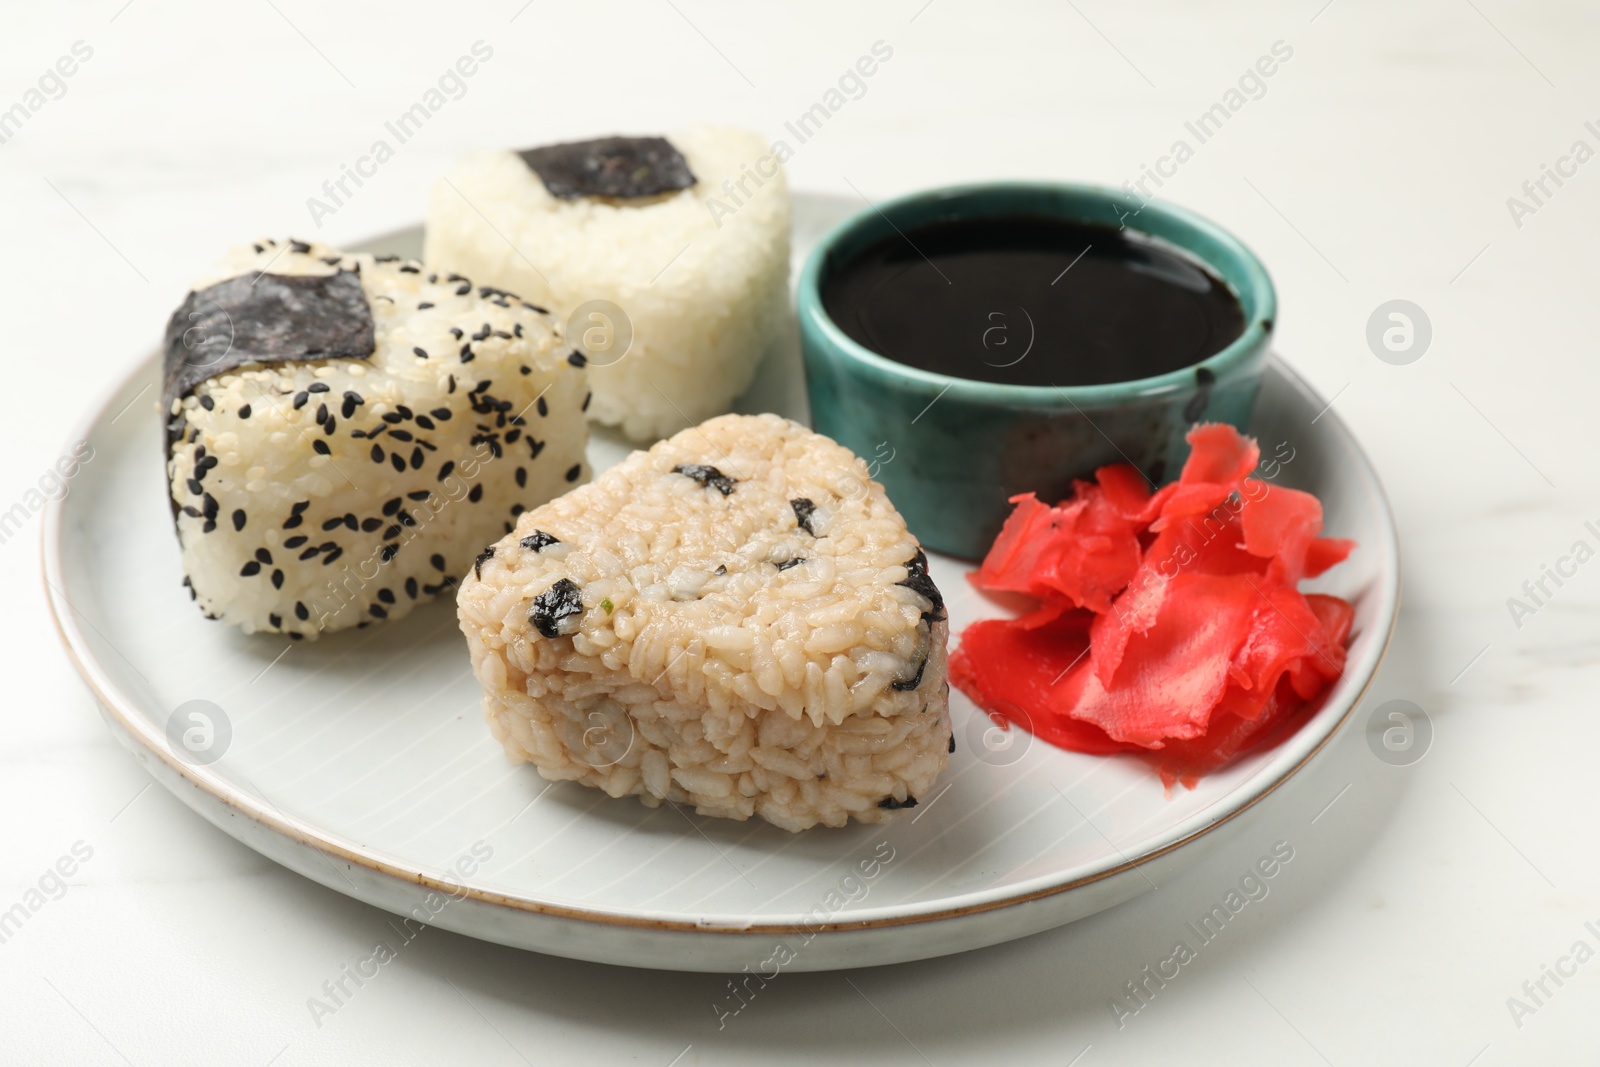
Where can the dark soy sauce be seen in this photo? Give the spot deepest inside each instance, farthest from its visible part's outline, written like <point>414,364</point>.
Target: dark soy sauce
<point>1032,301</point>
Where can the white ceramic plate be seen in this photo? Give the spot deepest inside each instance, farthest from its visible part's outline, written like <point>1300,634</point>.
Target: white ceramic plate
<point>362,761</point>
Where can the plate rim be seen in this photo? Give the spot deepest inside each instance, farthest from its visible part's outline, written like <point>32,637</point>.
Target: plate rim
<point>335,847</point>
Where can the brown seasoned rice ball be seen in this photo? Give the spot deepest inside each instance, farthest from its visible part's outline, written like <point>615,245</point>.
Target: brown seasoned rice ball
<point>736,619</point>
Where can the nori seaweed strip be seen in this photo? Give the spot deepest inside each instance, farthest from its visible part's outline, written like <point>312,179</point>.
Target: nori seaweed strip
<point>918,581</point>
<point>266,318</point>
<point>538,540</point>
<point>554,606</point>
<point>706,476</point>
<point>624,168</point>
<point>803,510</point>
<point>891,804</point>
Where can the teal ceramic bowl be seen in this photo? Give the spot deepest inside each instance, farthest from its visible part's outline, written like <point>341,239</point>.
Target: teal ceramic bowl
<point>951,452</point>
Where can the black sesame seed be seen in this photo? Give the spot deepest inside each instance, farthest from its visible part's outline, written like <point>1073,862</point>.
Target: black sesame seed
<point>209,506</point>
<point>577,359</point>
<point>295,509</point>
<point>534,448</point>
<point>522,478</point>
<point>300,611</point>
<point>586,398</point>
<point>451,379</point>
<point>543,408</point>
<point>276,621</point>
<point>329,426</point>
<point>250,569</point>
<point>370,525</point>
<point>317,387</point>
<point>416,459</point>
<point>420,494</point>
<point>526,370</point>
<point>391,417</point>
<point>411,588</point>
<point>350,521</point>
<point>244,411</point>
<point>516,509</point>
<point>296,541</point>
<point>400,435</point>
<point>437,561</point>
<point>300,400</point>
<point>464,288</point>
<point>475,494</point>
<point>352,400</point>
<point>195,487</point>
<point>277,579</point>
<point>321,447</point>
<point>308,553</point>
<point>264,556</point>
<point>406,519</point>
<point>292,521</point>
<point>191,511</point>
<point>386,596</point>
<point>467,355</point>
<point>952,742</point>
<point>398,463</point>
<point>442,414</point>
<point>391,533</point>
<point>388,552</point>
<point>573,472</point>
<point>392,506</point>
<point>425,305</point>
<point>209,526</point>
<point>377,454</point>
<point>455,331</point>
<point>298,246</point>
<point>424,422</point>
<point>333,523</point>
<point>378,612</point>
<point>331,556</point>
<point>207,403</point>
<point>322,413</point>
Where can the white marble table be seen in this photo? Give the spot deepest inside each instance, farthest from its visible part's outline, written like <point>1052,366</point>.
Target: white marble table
<point>1375,163</point>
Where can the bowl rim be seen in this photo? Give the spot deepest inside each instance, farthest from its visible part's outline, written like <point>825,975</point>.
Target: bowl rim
<point>839,347</point>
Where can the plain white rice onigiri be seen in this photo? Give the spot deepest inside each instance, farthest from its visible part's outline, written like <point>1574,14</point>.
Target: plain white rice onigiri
<point>736,619</point>
<point>700,275</point>
<point>314,494</point>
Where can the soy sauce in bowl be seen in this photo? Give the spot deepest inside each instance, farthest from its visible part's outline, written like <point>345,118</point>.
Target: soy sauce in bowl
<point>1032,301</point>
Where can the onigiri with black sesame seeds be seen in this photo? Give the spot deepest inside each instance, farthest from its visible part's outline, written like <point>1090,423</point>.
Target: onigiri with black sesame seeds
<point>666,259</point>
<point>336,453</point>
<point>736,619</point>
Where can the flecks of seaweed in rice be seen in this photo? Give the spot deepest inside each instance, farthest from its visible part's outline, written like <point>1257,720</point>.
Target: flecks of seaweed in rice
<point>266,318</point>
<point>918,581</point>
<point>539,540</point>
<point>803,510</point>
<point>786,564</point>
<point>891,804</point>
<point>909,684</point>
<point>483,557</point>
<point>706,476</point>
<point>624,168</point>
<point>952,744</point>
<point>553,608</point>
